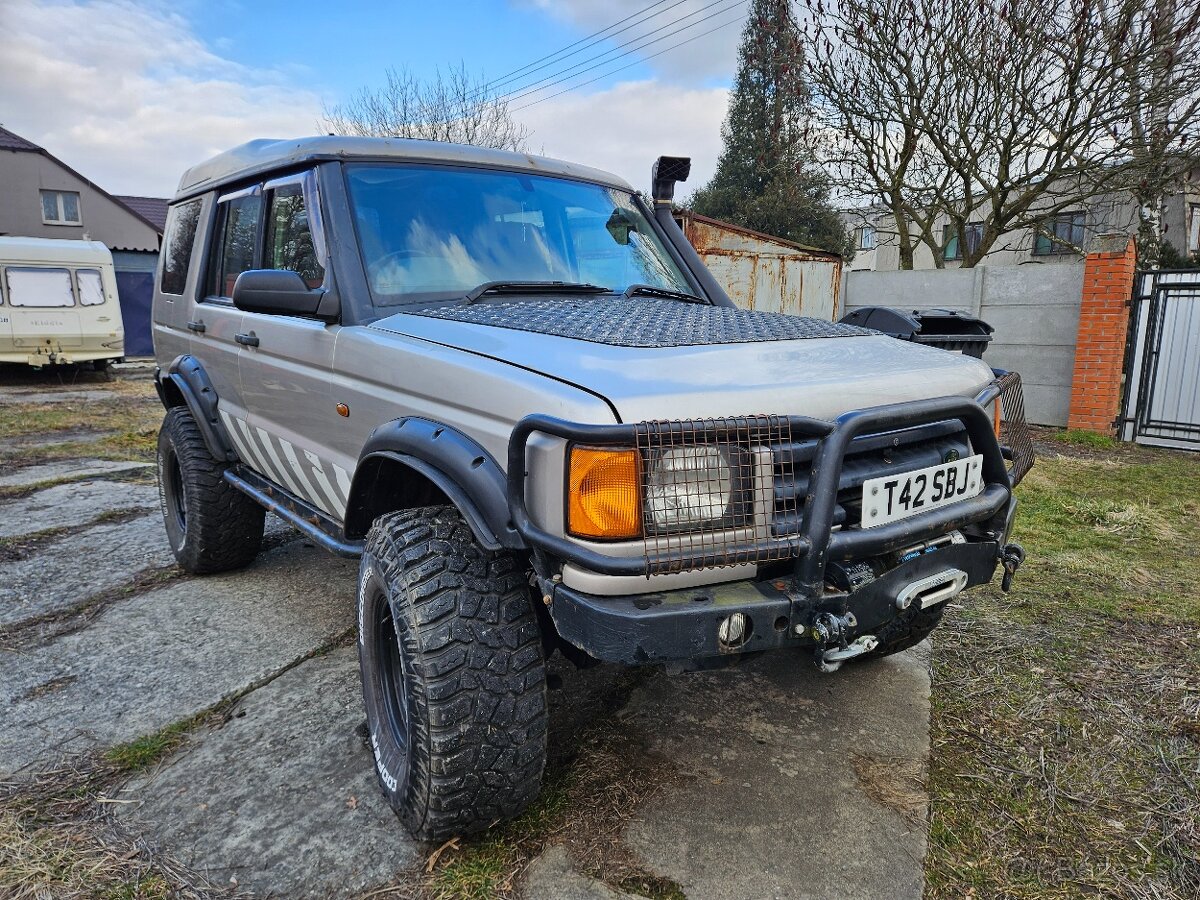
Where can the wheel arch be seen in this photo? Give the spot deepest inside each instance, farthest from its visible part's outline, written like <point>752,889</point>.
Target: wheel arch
<point>185,383</point>
<point>413,462</point>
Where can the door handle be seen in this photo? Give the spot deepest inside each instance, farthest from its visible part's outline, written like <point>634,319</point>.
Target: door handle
<point>248,340</point>
<point>197,326</point>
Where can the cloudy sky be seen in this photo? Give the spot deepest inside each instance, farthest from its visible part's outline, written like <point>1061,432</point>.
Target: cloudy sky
<point>131,93</point>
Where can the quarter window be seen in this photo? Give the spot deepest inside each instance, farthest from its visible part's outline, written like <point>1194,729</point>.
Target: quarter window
<point>43,288</point>
<point>177,250</point>
<point>239,241</point>
<point>60,208</point>
<point>289,236</point>
<point>1060,234</point>
<point>91,288</point>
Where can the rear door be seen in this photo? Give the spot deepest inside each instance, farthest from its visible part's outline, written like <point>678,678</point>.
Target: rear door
<point>42,309</point>
<point>286,374</point>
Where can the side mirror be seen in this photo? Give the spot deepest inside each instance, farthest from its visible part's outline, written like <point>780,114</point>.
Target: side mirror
<point>281,292</point>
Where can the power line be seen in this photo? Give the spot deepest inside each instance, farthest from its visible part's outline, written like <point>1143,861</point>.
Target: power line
<point>573,87</point>
<point>557,77</point>
<point>599,37</point>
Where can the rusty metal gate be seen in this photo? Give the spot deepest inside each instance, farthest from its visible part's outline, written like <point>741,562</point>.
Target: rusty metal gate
<point>1162,396</point>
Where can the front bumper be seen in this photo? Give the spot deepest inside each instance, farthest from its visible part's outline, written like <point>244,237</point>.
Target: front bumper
<point>685,624</point>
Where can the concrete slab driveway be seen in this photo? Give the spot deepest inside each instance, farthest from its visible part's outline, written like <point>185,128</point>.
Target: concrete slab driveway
<point>767,780</point>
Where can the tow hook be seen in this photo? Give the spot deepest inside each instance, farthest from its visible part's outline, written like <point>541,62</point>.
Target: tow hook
<point>1011,558</point>
<point>829,631</point>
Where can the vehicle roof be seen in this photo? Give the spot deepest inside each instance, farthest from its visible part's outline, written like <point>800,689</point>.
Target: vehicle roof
<point>29,249</point>
<point>266,155</point>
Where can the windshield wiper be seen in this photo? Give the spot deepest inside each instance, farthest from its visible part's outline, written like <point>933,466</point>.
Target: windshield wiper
<point>532,287</point>
<point>651,290</point>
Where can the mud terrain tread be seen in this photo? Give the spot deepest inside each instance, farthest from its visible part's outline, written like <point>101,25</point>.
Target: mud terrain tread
<point>478,676</point>
<point>907,630</point>
<point>225,526</point>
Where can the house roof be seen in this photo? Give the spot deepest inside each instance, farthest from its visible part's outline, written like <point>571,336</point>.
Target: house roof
<point>153,209</point>
<point>11,141</point>
<point>261,156</point>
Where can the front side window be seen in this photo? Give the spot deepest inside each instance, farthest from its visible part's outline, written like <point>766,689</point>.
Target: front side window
<point>238,241</point>
<point>974,233</point>
<point>42,288</point>
<point>60,208</point>
<point>431,233</point>
<point>91,288</point>
<point>289,236</point>
<point>864,237</point>
<point>177,248</point>
<point>1060,234</point>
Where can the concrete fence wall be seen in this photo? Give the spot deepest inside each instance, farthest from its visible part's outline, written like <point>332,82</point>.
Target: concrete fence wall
<point>1034,309</point>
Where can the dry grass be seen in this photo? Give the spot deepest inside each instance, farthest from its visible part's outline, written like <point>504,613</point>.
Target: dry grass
<point>1066,743</point>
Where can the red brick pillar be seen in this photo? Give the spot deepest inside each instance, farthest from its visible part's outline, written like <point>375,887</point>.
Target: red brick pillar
<point>1108,277</point>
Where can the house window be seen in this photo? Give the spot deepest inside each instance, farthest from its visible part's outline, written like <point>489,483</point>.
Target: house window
<point>1060,234</point>
<point>864,237</point>
<point>60,208</point>
<point>974,233</point>
<point>1193,235</point>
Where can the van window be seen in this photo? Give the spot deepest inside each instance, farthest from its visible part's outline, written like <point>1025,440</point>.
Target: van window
<point>39,287</point>
<point>239,241</point>
<point>91,289</point>
<point>177,251</point>
<point>289,236</point>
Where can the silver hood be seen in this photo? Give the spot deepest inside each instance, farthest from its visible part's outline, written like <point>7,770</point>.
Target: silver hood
<point>821,377</point>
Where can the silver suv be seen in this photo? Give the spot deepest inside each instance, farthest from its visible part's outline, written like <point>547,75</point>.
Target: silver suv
<point>510,386</point>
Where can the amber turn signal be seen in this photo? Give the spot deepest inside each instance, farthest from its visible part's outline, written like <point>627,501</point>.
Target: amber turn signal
<point>605,493</point>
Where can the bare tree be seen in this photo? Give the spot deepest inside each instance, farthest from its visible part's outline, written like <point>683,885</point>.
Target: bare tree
<point>999,112</point>
<point>451,106</point>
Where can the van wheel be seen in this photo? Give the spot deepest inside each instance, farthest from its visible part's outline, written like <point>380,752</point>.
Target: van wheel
<point>454,678</point>
<point>211,525</point>
<point>906,630</point>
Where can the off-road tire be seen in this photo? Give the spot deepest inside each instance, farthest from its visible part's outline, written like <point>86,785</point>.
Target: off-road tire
<point>906,630</point>
<point>211,525</point>
<point>454,678</point>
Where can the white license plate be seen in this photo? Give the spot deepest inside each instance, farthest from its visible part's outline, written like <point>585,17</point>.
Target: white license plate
<point>904,494</point>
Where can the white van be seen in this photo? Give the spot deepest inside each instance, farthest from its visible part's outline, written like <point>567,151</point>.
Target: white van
<point>58,303</point>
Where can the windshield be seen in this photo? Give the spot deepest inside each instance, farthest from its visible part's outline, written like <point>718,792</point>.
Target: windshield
<point>430,233</point>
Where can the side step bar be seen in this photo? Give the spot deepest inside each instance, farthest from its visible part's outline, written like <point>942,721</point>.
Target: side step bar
<point>301,515</point>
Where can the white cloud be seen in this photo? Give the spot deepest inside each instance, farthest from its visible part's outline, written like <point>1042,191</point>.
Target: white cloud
<point>129,97</point>
<point>707,58</point>
<point>624,129</point>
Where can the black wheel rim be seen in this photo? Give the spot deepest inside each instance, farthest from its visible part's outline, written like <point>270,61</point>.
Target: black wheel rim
<point>176,493</point>
<point>392,680</point>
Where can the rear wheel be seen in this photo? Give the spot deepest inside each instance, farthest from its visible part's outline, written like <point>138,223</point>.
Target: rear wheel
<point>454,679</point>
<point>211,525</point>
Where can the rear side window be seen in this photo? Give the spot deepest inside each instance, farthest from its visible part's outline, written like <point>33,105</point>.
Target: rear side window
<point>42,288</point>
<point>289,236</point>
<point>238,238</point>
<point>91,289</point>
<point>177,252</point>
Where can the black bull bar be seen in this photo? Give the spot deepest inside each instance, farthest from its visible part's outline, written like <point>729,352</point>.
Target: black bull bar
<point>816,543</point>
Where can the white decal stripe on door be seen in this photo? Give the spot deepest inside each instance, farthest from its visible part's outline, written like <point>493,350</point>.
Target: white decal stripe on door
<point>289,452</point>
<point>343,483</point>
<point>288,480</point>
<point>256,460</point>
<point>323,480</point>
<point>234,437</point>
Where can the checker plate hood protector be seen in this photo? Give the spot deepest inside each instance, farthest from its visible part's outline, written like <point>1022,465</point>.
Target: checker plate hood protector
<point>659,359</point>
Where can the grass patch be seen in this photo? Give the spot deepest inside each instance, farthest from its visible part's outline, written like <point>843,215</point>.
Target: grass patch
<point>1077,438</point>
<point>144,752</point>
<point>1066,715</point>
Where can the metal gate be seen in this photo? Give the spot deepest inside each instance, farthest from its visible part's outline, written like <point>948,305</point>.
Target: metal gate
<point>1162,397</point>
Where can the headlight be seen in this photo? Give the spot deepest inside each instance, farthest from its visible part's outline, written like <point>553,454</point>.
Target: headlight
<point>688,487</point>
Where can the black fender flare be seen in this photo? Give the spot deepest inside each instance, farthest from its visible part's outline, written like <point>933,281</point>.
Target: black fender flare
<point>185,383</point>
<point>458,466</point>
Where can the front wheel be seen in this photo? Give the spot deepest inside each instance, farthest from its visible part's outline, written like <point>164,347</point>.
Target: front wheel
<point>907,630</point>
<point>454,679</point>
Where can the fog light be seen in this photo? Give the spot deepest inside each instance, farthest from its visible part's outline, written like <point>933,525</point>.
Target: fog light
<point>734,630</point>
